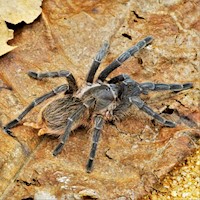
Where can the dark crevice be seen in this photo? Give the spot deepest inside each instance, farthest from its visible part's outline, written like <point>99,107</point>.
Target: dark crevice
<point>34,182</point>
<point>182,118</point>
<point>140,61</point>
<point>88,198</point>
<point>185,119</point>
<point>168,111</point>
<point>127,36</point>
<point>24,182</point>
<point>17,29</point>
<point>112,122</point>
<point>28,198</point>
<point>106,154</point>
<point>180,102</point>
<point>137,16</point>
<point>15,26</point>
<point>153,121</point>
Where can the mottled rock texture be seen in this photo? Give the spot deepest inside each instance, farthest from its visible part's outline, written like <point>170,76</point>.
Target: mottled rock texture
<point>137,153</point>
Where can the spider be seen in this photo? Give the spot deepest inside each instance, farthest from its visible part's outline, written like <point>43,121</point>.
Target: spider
<point>100,101</point>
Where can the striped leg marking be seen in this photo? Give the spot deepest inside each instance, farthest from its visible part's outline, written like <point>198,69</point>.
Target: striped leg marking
<point>96,63</point>
<point>123,57</point>
<point>162,86</point>
<point>75,116</point>
<point>141,105</point>
<point>63,73</point>
<point>96,135</point>
<point>37,101</point>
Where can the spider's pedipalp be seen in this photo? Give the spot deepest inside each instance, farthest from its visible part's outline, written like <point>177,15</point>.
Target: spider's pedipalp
<point>63,73</point>
<point>96,135</point>
<point>71,119</point>
<point>141,105</point>
<point>34,103</point>
<point>163,86</point>
<point>97,61</point>
<point>123,57</point>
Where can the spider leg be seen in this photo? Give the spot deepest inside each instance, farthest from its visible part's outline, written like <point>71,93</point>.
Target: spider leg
<point>118,79</point>
<point>141,105</point>
<point>123,57</point>
<point>63,73</point>
<point>97,61</point>
<point>96,135</point>
<point>120,111</point>
<point>37,101</point>
<point>71,119</point>
<point>161,86</point>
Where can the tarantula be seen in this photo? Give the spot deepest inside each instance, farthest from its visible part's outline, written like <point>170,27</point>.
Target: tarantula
<point>98,101</point>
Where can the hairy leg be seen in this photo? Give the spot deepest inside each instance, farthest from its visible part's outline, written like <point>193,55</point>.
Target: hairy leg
<point>97,61</point>
<point>37,101</point>
<point>141,105</point>
<point>63,73</point>
<point>96,135</point>
<point>123,57</point>
<point>161,86</point>
<point>73,118</point>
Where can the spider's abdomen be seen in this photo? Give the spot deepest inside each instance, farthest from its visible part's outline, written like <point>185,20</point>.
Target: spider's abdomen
<point>56,113</point>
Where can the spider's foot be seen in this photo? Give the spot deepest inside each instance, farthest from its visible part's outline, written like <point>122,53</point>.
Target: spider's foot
<point>148,39</point>
<point>89,165</point>
<point>180,87</point>
<point>187,86</point>
<point>8,131</point>
<point>33,75</point>
<point>58,149</point>
<point>170,124</point>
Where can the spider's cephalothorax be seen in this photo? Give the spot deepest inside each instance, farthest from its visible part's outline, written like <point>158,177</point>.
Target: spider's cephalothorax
<point>98,101</point>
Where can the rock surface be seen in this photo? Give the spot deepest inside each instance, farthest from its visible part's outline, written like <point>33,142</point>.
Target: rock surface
<point>132,156</point>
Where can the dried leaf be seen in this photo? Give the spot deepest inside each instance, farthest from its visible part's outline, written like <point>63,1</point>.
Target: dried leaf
<point>20,10</point>
<point>14,13</point>
<point>5,35</point>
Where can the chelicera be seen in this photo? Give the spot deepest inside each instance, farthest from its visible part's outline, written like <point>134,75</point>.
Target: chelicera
<point>97,101</point>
